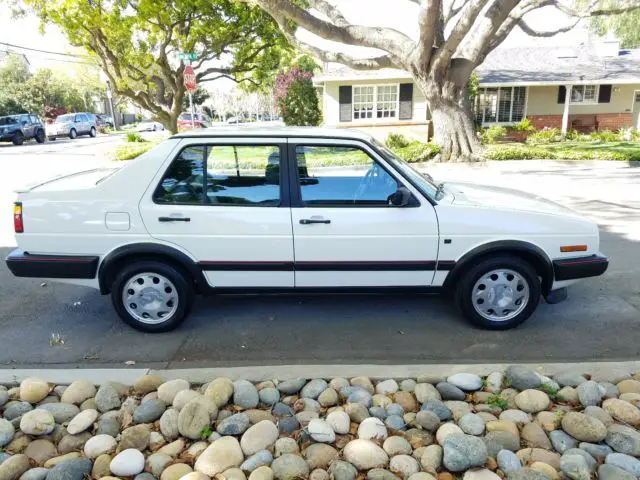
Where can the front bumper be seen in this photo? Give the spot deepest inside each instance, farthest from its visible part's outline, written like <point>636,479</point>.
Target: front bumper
<point>24,264</point>
<point>6,137</point>
<point>581,267</point>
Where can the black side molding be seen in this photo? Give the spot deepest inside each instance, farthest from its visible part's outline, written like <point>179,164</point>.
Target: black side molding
<point>581,267</point>
<point>23,264</point>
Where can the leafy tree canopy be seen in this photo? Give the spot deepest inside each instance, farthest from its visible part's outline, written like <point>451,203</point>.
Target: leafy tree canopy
<point>625,27</point>
<point>135,42</point>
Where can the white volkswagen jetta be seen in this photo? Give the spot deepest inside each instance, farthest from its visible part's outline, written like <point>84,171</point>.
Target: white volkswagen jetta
<point>271,210</point>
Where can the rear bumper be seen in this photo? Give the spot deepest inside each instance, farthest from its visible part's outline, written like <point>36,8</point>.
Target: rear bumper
<point>24,264</point>
<point>581,267</point>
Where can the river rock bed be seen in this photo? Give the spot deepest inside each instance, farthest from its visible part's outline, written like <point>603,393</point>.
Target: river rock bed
<point>516,424</point>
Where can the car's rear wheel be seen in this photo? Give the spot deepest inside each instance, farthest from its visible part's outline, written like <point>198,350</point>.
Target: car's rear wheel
<point>152,296</point>
<point>92,132</point>
<point>51,139</point>
<point>499,292</point>
<point>40,136</point>
<point>73,134</point>
<point>18,138</point>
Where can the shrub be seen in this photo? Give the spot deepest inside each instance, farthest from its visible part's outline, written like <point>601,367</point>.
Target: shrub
<point>492,134</point>
<point>129,152</point>
<point>606,136</point>
<point>523,125</point>
<point>396,140</point>
<point>546,135</point>
<point>133,137</point>
<point>508,152</point>
<point>417,151</point>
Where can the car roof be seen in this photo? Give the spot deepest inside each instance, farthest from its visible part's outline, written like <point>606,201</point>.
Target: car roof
<point>275,131</point>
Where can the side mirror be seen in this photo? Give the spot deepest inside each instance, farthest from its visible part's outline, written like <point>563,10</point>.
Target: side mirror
<point>401,197</point>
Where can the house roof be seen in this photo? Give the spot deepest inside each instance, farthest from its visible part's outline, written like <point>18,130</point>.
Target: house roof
<point>525,66</point>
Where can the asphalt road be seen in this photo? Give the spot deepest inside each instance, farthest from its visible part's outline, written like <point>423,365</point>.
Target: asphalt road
<point>598,322</point>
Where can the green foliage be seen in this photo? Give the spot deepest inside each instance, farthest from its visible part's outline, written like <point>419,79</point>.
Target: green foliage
<point>513,152</point>
<point>523,125</point>
<point>133,137</point>
<point>396,141</point>
<point>417,151</point>
<point>200,95</point>
<point>300,104</point>
<point>606,136</point>
<point>492,134</point>
<point>497,401</point>
<point>206,432</point>
<point>546,135</point>
<point>628,151</point>
<point>130,151</point>
<point>473,86</point>
<point>623,26</point>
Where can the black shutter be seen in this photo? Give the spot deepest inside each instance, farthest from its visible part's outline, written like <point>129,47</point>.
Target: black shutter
<point>605,94</point>
<point>562,93</point>
<point>346,109</point>
<point>406,101</point>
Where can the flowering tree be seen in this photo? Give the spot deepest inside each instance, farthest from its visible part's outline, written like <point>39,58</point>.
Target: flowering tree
<point>295,96</point>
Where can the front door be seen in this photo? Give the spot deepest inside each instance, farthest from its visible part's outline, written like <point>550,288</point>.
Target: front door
<point>636,109</point>
<point>346,231</point>
<point>28,129</point>
<point>224,202</point>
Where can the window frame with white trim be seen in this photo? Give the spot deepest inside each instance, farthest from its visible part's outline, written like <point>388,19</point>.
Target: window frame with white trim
<point>499,103</point>
<point>582,101</point>
<point>368,111</point>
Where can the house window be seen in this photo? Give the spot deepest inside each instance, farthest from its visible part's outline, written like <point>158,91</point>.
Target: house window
<point>584,94</point>
<point>363,102</point>
<point>500,105</point>
<point>375,101</point>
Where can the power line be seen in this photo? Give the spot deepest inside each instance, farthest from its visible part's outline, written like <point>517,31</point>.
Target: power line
<point>49,58</point>
<point>44,51</point>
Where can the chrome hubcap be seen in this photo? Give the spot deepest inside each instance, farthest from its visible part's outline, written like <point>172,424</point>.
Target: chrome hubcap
<point>500,295</point>
<point>150,298</point>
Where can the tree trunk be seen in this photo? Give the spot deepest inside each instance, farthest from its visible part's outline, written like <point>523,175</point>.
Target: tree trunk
<point>453,127</point>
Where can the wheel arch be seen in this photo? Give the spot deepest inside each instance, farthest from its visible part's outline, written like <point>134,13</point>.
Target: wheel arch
<point>113,262</point>
<point>527,251</point>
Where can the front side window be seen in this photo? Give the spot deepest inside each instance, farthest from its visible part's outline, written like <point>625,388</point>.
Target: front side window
<point>584,94</point>
<point>342,176</point>
<point>34,119</point>
<point>223,175</point>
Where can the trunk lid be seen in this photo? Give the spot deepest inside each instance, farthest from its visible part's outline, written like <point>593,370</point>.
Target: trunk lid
<point>74,181</point>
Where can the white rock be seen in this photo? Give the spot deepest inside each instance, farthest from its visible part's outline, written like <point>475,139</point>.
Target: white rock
<point>480,474</point>
<point>405,465</point>
<point>222,454</point>
<point>96,446</point>
<point>37,422</point>
<point>364,455</point>
<point>445,430</point>
<point>168,390</point>
<point>387,386</point>
<point>494,382</point>
<point>321,431</point>
<point>466,381</point>
<point>339,422</point>
<point>82,421</point>
<point>127,463</point>
<point>258,437</point>
<point>183,397</point>
<point>371,428</point>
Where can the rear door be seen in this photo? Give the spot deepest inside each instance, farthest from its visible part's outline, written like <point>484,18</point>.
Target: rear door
<point>225,201</point>
<point>28,129</point>
<point>346,231</point>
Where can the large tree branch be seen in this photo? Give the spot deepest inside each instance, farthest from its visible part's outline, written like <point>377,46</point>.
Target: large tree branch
<point>592,11</point>
<point>428,20</point>
<point>526,28</point>
<point>387,39</point>
<point>237,80</point>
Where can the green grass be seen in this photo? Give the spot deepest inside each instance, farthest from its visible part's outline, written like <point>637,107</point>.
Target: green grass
<point>596,150</point>
<point>129,151</point>
<point>496,400</point>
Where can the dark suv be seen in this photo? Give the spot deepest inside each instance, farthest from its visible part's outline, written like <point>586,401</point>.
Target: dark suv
<point>21,127</point>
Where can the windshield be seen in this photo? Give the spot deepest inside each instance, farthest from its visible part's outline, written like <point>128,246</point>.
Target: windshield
<point>185,116</point>
<point>8,120</point>
<point>64,119</point>
<point>422,180</point>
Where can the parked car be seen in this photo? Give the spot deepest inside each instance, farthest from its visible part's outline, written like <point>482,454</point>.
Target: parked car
<point>200,120</point>
<point>71,125</point>
<point>104,120</point>
<point>236,120</point>
<point>18,128</point>
<point>149,127</point>
<point>236,210</point>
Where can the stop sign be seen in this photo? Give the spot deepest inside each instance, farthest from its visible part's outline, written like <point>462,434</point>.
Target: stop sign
<point>189,78</point>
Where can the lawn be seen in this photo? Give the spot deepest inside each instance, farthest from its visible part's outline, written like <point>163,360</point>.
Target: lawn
<point>594,150</point>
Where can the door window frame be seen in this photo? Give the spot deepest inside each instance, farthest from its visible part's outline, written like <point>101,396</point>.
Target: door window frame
<point>296,189</point>
<point>285,197</point>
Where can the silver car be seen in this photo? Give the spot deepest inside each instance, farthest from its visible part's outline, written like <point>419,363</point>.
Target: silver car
<point>71,125</point>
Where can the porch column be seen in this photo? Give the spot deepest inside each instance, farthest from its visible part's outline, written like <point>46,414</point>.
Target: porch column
<point>565,113</point>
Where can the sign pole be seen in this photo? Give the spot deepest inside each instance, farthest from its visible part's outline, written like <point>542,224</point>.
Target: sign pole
<point>193,122</point>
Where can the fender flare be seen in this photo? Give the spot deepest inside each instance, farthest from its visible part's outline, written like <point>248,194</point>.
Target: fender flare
<point>147,250</point>
<point>530,252</point>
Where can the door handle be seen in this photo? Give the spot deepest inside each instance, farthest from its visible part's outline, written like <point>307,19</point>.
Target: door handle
<point>174,219</point>
<point>309,221</point>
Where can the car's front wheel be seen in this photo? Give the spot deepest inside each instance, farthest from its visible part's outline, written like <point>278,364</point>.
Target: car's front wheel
<point>152,296</point>
<point>18,138</point>
<point>498,292</point>
<point>92,132</point>
<point>40,136</point>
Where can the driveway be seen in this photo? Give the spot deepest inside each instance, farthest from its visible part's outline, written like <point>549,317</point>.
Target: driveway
<point>598,322</point>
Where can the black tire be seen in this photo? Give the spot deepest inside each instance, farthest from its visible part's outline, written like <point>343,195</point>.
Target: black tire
<point>464,290</point>
<point>18,138</point>
<point>73,134</point>
<point>92,132</point>
<point>40,136</point>
<point>182,283</point>
<point>52,139</point>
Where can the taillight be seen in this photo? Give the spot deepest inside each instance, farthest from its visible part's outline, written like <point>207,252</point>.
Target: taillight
<point>18,226</point>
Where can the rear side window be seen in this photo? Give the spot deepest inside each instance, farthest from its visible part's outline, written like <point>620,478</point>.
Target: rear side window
<point>246,175</point>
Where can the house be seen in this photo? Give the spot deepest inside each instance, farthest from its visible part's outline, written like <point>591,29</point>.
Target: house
<point>587,87</point>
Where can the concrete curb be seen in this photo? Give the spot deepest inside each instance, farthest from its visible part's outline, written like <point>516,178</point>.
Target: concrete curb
<point>128,376</point>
